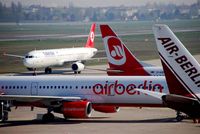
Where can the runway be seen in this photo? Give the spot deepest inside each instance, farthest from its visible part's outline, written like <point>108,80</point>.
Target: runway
<point>128,120</point>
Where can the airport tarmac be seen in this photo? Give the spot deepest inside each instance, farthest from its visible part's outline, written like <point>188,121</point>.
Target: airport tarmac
<point>128,120</point>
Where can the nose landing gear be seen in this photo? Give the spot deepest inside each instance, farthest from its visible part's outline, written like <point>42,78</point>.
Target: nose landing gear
<point>4,109</point>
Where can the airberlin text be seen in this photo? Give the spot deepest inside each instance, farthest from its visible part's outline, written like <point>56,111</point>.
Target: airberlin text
<point>182,60</point>
<point>118,88</point>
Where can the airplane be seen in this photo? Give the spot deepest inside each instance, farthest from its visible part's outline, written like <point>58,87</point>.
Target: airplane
<point>76,96</point>
<point>182,73</point>
<point>58,57</point>
<point>120,59</point>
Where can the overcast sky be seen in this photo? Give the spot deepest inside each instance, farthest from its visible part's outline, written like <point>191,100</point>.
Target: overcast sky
<point>97,3</point>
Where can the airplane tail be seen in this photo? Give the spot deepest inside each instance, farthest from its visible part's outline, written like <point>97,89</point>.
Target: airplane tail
<point>181,69</point>
<point>119,56</point>
<point>90,40</point>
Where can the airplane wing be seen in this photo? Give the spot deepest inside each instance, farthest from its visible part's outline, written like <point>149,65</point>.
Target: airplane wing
<point>70,62</point>
<point>98,58</point>
<point>29,98</point>
<point>105,70</point>
<point>13,55</point>
<point>157,95</point>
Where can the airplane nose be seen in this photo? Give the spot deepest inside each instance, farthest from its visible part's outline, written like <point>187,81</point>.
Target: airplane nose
<point>27,63</point>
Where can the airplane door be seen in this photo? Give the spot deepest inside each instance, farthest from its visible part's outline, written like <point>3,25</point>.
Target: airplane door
<point>34,88</point>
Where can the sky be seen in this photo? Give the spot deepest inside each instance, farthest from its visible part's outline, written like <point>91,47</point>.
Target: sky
<point>97,3</point>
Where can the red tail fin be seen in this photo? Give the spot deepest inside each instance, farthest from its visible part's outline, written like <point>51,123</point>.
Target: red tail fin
<point>90,40</point>
<point>119,56</point>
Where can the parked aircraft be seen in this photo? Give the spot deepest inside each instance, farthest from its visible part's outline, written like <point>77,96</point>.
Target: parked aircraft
<point>121,60</point>
<point>58,57</point>
<point>182,73</point>
<point>75,96</point>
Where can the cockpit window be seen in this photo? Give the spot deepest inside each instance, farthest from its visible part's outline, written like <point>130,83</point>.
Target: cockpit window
<point>28,56</point>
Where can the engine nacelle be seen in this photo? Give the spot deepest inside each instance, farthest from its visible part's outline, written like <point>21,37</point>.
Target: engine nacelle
<point>77,109</point>
<point>105,109</point>
<point>78,66</point>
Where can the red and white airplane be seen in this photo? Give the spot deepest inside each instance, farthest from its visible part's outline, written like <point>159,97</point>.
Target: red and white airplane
<point>58,57</point>
<point>182,73</point>
<point>75,96</point>
<point>121,60</point>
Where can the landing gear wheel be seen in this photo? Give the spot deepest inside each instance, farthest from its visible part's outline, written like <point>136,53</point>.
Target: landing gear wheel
<point>179,118</point>
<point>48,70</point>
<point>34,72</point>
<point>66,117</point>
<point>4,108</point>
<point>48,117</point>
<point>5,117</point>
<point>77,72</point>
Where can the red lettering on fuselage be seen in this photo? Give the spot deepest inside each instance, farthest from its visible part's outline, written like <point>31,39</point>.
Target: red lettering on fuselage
<point>117,88</point>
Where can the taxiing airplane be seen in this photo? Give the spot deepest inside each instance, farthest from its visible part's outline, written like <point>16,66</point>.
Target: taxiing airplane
<point>182,73</point>
<point>58,57</point>
<point>121,60</point>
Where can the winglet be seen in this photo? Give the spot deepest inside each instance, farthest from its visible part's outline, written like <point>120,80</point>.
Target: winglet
<point>119,56</point>
<point>90,40</point>
<point>181,69</point>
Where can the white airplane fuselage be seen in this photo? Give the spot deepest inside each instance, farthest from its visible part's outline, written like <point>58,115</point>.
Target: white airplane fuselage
<point>117,90</point>
<point>57,57</point>
<point>154,71</point>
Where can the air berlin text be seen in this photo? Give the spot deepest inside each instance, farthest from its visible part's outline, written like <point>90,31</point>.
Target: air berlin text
<point>187,66</point>
<point>116,88</point>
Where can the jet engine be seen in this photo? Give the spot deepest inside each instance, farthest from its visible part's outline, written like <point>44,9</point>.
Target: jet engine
<point>80,109</point>
<point>77,67</point>
<point>105,109</point>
